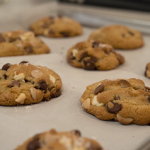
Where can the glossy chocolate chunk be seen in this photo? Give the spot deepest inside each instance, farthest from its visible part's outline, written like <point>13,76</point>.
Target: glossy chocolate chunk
<point>34,145</point>
<point>6,66</point>
<point>99,89</point>
<point>14,83</point>
<point>23,62</point>
<point>115,108</point>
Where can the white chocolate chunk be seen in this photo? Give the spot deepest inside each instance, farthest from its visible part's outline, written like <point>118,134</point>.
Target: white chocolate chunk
<point>36,73</point>
<point>33,93</point>
<point>52,78</point>
<point>86,104</point>
<point>66,141</point>
<point>26,36</point>
<point>74,52</point>
<point>19,77</point>
<point>21,98</point>
<point>95,102</point>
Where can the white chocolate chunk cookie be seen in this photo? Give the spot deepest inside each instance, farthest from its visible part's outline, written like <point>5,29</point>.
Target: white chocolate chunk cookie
<point>21,42</point>
<point>119,36</point>
<point>57,26</point>
<point>27,84</point>
<point>123,100</point>
<point>92,55</point>
<point>54,140</point>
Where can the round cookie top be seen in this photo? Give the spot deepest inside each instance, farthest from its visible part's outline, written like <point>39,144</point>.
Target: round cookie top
<point>27,84</point>
<point>92,55</point>
<point>127,101</point>
<point>120,37</point>
<point>54,140</point>
<point>57,26</point>
<point>21,42</point>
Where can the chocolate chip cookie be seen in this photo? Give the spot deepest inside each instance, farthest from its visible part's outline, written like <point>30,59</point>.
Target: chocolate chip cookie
<point>126,101</point>
<point>57,26</point>
<point>54,140</point>
<point>93,55</point>
<point>21,43</point>
<point>120,37</point>
<point>27,84</point>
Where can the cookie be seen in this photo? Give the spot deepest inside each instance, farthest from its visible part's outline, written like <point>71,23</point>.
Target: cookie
<point>120,37</point>
<point>21,43</point>
<point>123,100</point>
<point>94,56</point>
<point>54,140</point>
<point>58,26</point>
<point>27,84</point>
<point>147,71</point>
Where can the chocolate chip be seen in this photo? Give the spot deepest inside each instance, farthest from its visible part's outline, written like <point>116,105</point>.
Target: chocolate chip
<point>99,89</point>
<point>65,34</point>
<point>131,33</point>
<point>124,83</point>
<point>34,145</point>
<point>29,50</point>
<point>147,88</point>
<point>58,93</point>
<point>1,38</point>
<point>94,147</point>
<point>83,55</point>
<point>46,98</point>
<point>89,64</point>
<point>117,97</point>
<point>45,26</point>
<point>14,83</point>
<point>42,86</point>
<point>95,44</point>
<point>11,39</point>
<point>148,98</point>
<point>77,132</point>
<point>23,62</point>
<point>51,31</point>
<point>123,35</point>
<point>116,107</point>
<point>6,66</point>
<point>59,16</point>
<point>5,76</point>
<point>71,57</point>
<point>51,17</point>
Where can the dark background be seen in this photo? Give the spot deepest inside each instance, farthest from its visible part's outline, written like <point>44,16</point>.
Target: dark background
<point>140,5</point>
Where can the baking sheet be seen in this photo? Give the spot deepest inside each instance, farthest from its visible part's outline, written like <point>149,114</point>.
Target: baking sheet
<point>65,113</point>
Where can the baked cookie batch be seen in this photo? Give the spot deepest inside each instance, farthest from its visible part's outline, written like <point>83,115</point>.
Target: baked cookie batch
<point>124,100</point>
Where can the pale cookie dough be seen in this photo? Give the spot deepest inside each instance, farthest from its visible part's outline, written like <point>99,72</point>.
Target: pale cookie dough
<point>57,26</point>
<point>21,42</point>
<point>120,37</point>
<point>53,140</point>
<point>27,84</point>
<point>92,55</point>
<point>123,100</point>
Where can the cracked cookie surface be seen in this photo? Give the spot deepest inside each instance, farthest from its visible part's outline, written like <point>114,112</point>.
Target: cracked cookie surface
<point>54,140</point>
<point>120,37</point>
<point>123,100</point>
<point>92,55</point>
<point>57,26</point>
<point>27,84</point>
<point>21,42</point>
